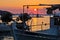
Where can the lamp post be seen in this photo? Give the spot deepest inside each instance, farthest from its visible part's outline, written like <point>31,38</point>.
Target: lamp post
<point>35,9</point>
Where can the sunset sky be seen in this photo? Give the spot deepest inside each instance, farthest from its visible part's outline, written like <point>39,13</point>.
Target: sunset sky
<point>15,6</point>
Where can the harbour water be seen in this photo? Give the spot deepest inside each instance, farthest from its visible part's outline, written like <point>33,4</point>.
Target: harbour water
<point>36,33</point>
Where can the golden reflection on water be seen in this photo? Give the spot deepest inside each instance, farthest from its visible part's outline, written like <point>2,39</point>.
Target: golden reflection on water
<point>37,24</point>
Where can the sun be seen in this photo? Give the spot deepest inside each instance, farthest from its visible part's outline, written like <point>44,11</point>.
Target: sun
<point>35,9</point>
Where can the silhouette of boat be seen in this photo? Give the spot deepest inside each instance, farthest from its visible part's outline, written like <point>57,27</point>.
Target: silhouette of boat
<point>22,31</point>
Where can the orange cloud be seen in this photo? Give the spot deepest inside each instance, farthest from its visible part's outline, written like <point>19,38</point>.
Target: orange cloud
<point>17,4</point>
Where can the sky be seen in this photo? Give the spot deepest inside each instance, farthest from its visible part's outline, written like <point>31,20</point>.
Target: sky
<point>15,6</point>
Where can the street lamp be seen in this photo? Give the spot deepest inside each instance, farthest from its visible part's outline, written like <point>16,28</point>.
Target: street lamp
<point>34,10</point>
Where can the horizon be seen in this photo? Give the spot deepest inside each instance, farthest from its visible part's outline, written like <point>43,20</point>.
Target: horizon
<point>16,6</point>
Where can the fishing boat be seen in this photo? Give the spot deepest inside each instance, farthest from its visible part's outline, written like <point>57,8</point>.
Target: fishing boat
<point>31,26</point>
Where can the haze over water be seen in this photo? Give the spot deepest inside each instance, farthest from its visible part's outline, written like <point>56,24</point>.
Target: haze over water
<point>15,6</point>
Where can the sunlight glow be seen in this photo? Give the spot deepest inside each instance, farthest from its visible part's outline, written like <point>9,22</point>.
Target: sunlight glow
<point>35,9</point>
